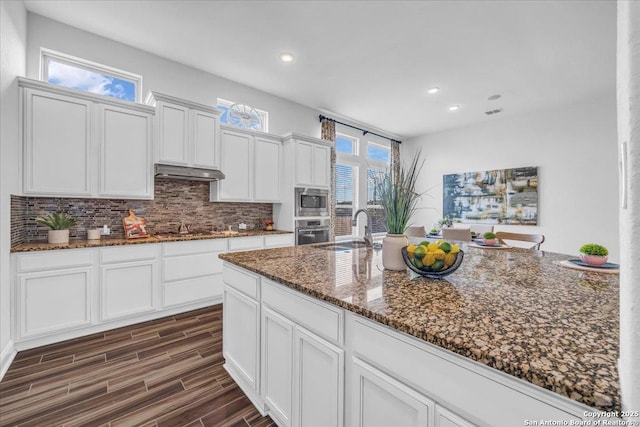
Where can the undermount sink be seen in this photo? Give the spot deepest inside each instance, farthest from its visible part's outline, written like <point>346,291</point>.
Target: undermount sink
<point>343,246</point>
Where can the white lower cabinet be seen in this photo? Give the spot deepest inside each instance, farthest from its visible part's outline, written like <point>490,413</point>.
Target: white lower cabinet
<point>128,281</point>
<point>241,341</point>
<point>54,301</point>
<point>277,365</point>
<point>379,400</point>
<point>318,381</point>
<point>192,271</point>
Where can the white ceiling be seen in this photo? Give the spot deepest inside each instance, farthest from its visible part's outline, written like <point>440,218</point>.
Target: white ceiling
<point>372,61</point>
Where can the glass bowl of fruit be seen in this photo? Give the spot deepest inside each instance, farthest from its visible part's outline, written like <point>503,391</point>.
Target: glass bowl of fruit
<point>433,259</point>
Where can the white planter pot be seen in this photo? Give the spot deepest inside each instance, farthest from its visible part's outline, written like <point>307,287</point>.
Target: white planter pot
<point>58,236</point>
<point>392,246</point>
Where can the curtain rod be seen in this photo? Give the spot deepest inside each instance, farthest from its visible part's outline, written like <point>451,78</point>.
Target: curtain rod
<point>364,131</point>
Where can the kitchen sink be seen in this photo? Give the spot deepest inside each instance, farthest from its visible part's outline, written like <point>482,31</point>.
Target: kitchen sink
<point>343,246</point>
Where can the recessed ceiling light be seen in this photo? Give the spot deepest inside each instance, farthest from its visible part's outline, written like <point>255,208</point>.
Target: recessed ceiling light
<point>433,90</point>
<point>286,57</point>
<point>454,107</point>
<point>494,97</point>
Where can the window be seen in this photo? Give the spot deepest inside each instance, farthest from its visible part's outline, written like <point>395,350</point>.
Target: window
<point>358,164</point>
<point>345,144</point>
<point>76,73</point>
<point>345,188</point>
<point>243,116</point>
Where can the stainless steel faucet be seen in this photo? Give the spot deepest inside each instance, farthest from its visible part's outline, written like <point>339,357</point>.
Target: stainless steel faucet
<point>368,238</point>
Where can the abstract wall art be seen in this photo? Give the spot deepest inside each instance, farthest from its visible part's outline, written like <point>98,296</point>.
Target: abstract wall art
<point>502,196</point>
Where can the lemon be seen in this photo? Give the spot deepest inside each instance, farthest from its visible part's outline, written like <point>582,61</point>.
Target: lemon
<point>428,259</point>
<point>411,248</point>
<point>439,242</point>
<point>439,254</point>
<point>449,259</point>
<point>455,249</point>
<point>432,247</point>
<point>420,251</point>
<point>445,246</point>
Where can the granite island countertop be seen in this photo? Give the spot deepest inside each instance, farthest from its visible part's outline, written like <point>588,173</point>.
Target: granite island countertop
<point>156,238</point>
<point>513,310</point>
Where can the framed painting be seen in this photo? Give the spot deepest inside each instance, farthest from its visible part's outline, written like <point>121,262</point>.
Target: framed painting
<point>502,196</point>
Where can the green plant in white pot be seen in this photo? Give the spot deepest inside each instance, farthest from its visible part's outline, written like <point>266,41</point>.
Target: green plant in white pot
<point>59,225</point>
<point>398,197</point>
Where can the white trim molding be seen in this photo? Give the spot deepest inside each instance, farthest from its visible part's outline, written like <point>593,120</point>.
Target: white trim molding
<point>6,357</point>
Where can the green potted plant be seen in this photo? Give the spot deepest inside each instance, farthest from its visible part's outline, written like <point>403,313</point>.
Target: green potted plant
<point>397,195</point>
<point>59,225</point>
<point>489,239</point>
<point>445,222</point>
<point>593,254</point>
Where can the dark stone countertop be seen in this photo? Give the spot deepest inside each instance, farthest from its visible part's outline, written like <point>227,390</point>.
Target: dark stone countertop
<point>514,310</point>
<point>158,238</point>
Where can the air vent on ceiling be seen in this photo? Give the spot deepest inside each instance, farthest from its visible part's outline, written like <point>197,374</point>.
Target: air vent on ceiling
<point>490,112</point>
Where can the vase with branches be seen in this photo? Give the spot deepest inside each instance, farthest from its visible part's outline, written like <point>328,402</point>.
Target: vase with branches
<point>396,191</point>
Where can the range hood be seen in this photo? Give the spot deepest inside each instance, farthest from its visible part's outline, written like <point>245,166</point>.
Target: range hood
<point>187,173</point>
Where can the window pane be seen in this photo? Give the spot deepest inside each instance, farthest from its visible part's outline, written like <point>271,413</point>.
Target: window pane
<point>223,116</point>
<point>90,81</point>
<point>344,199</point>
<point>378,152</point>
<point>344,145</point>
<point>373,204</point>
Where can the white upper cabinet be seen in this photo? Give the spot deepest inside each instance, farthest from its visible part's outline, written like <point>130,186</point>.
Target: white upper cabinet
<point>125,149</point>
<point>79,144</point>
<point>252,164</point>
<point>57,144</point>
<point>187,132</point>
<point>312,163</point>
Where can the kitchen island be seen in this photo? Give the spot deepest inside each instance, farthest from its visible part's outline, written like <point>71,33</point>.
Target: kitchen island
<point>514,312</point>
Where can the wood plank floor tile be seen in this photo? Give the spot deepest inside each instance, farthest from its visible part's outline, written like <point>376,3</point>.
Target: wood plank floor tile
<point>163,372</point>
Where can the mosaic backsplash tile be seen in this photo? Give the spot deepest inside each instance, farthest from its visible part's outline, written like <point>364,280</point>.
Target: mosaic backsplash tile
<point>174,201</point>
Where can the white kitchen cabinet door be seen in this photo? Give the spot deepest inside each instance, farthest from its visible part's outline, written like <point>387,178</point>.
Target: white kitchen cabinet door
<point>206,129</point>
<point>381,401</point>
<point>126,163</point>
<point>267,170</point>
<point>241,338</point>
<point>277,365</point>
<point>304,163</point>
<point>54,301</point>
<point>236,162</point>
<point>318,382</point>
<point>57,144</point>
<point>127,288</point>
<point>445,418</point>
<point>321,166</point>
<point>173,134</point>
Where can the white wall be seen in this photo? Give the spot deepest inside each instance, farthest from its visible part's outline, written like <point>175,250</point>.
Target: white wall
<point>629,132</point>
<point>13,40</point>
<point>163,75</point>
<point>574,149</point>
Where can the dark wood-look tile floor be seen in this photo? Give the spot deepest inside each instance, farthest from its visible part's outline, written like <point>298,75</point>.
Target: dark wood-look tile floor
<point>165,372</point>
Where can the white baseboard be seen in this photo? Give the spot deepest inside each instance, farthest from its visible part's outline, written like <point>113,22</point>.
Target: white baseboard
<point>6,357</point>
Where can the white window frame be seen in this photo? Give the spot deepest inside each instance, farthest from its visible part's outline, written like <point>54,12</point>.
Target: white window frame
<point>362,164</point>
<point>46,54</point>
<point>264,115</point>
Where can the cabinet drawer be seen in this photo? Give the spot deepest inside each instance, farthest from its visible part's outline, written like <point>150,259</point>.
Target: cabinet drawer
<point>127,253</point>
<point>52,260</point>
<point>189,266</point>
<point>245,243</point>
<point>323,319</point>
<point>244,282</point>
<point>194,247</point>
<point>278,240</point>
<point>192,290</point>
<point>488,397</point>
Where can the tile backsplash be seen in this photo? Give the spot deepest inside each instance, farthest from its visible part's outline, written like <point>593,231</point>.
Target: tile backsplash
<point>174,201</point>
